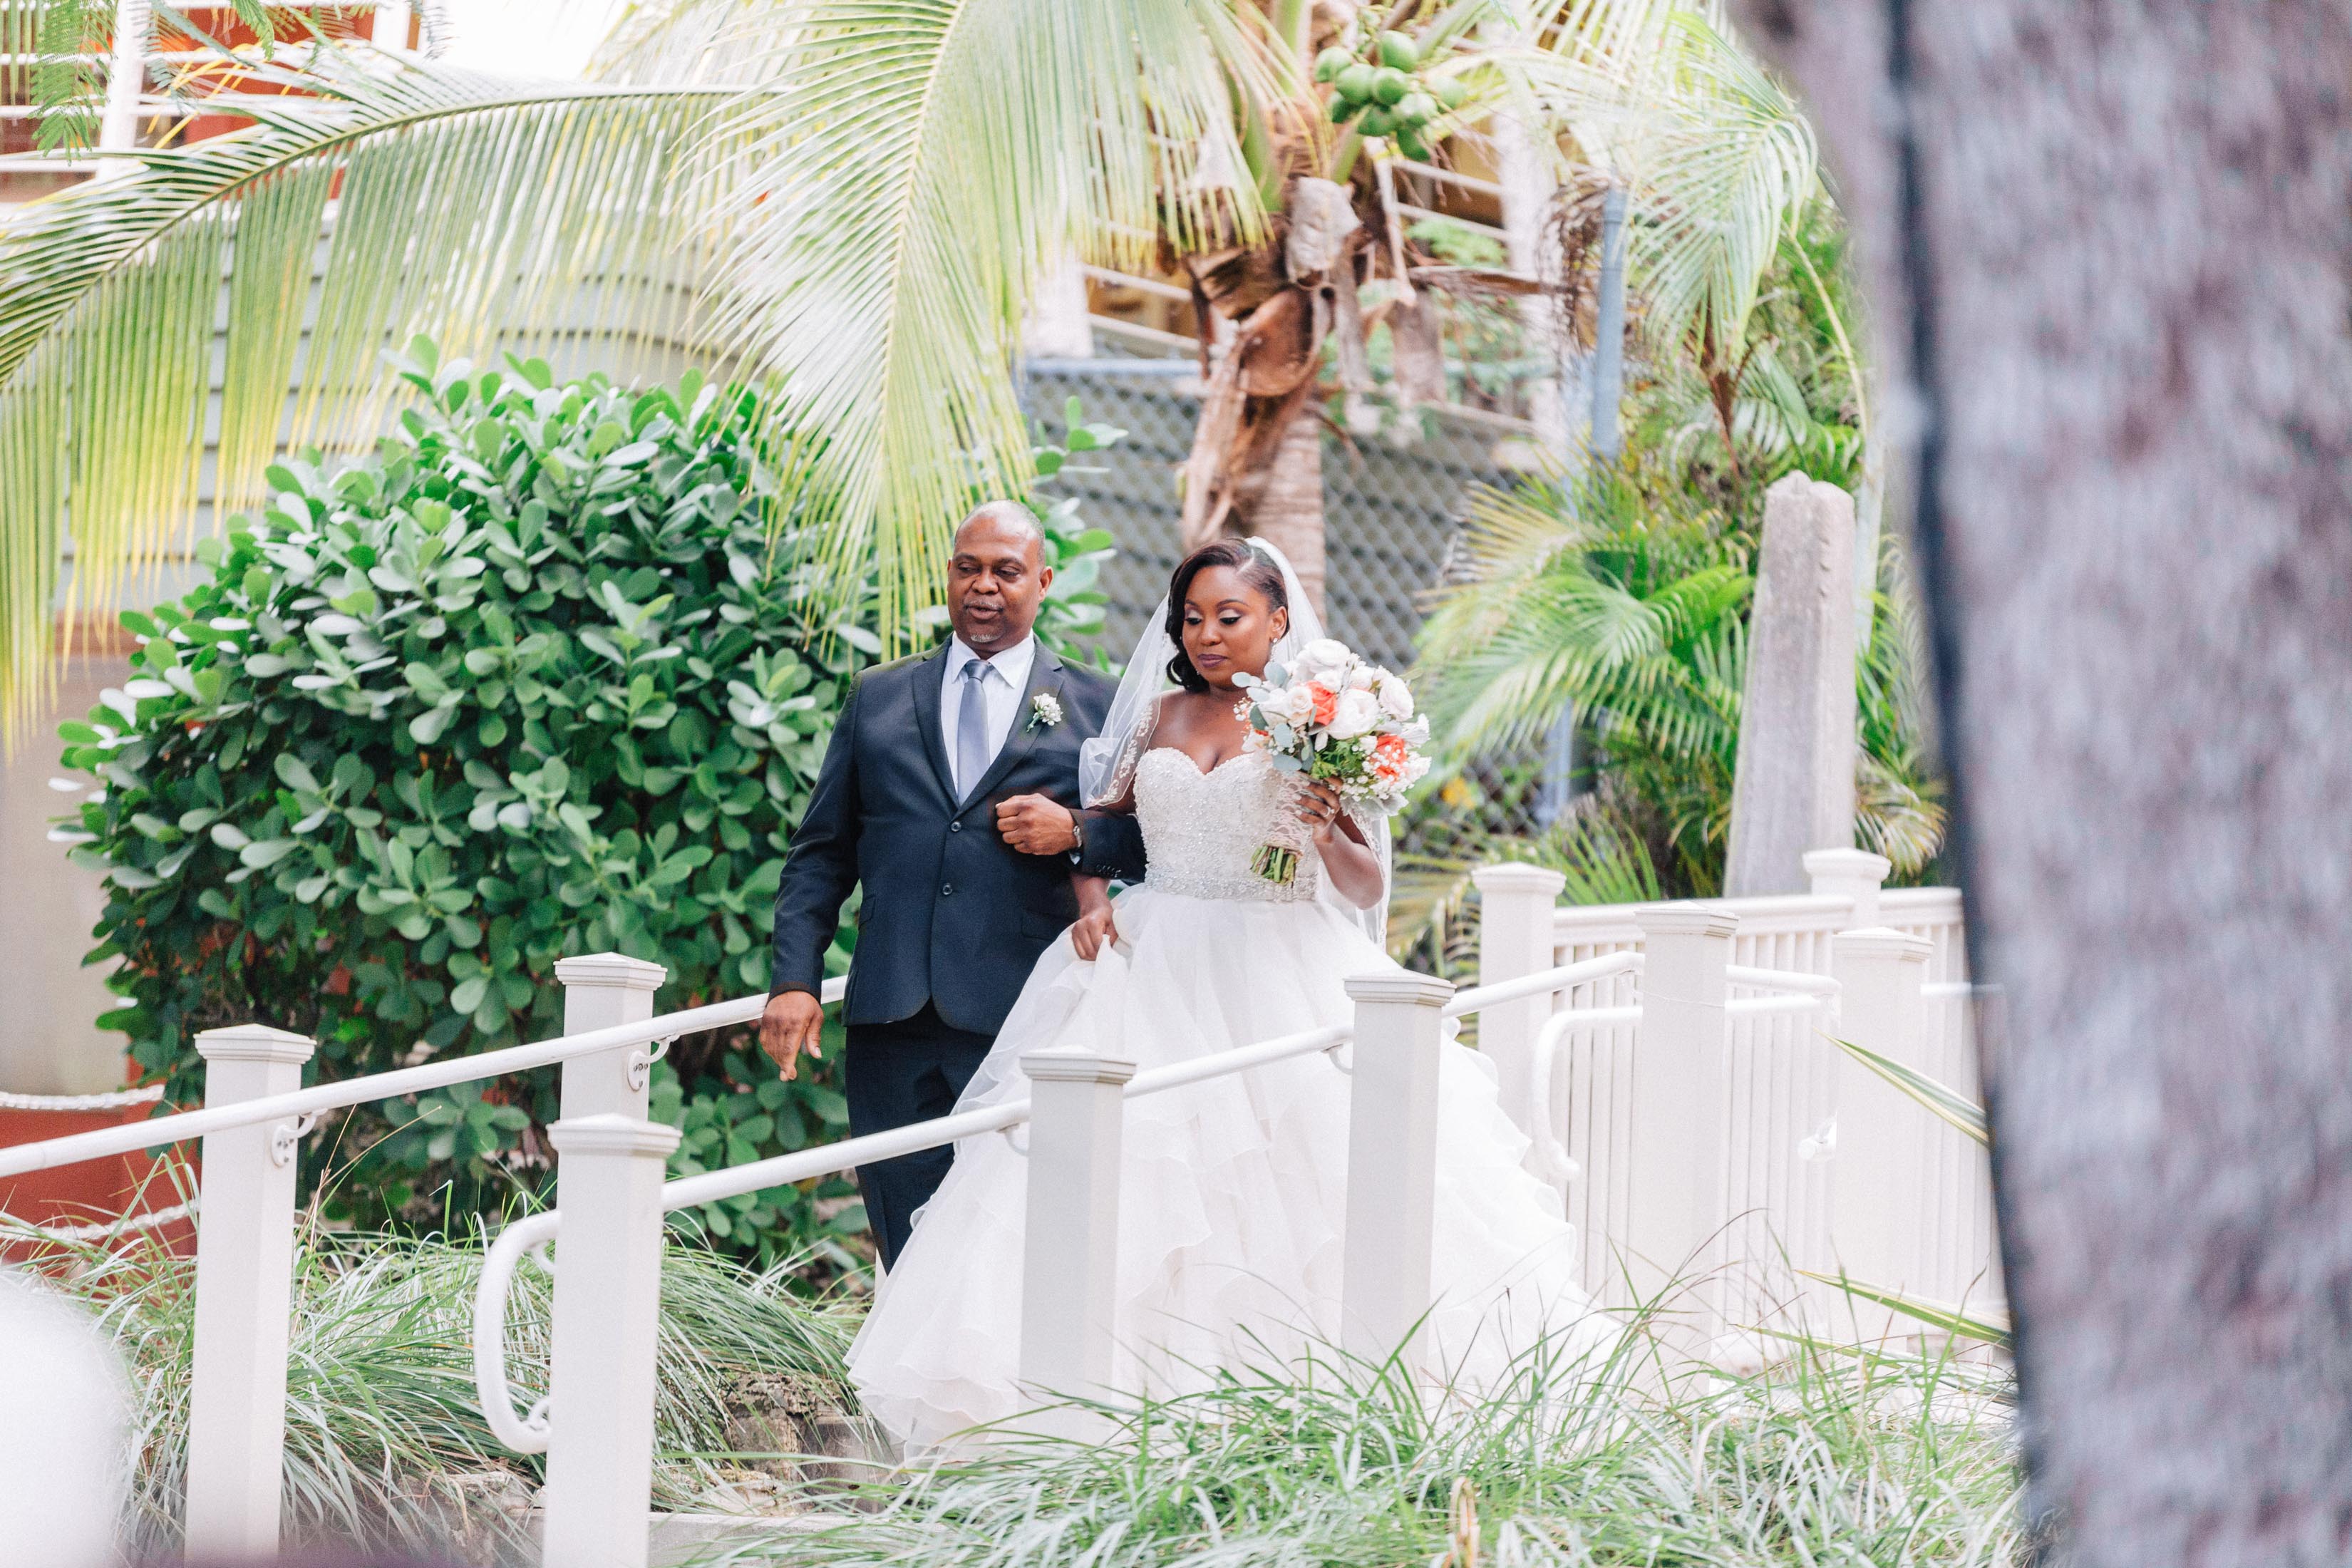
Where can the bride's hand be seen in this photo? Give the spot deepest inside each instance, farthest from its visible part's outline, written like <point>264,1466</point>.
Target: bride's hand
<point>1093,931</point>
<point>1320,807</point>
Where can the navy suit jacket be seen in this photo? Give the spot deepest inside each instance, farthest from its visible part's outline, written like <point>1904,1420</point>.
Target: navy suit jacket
<point>952,915</point>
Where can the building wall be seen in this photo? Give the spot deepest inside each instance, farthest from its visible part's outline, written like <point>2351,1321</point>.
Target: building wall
<point>50,1043</point>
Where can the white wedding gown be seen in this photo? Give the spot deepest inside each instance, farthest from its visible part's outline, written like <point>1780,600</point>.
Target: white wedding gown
<point>1234,1191</point>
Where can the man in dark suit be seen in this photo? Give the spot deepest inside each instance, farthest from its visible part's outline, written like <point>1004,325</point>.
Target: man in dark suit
<point>953,917</point>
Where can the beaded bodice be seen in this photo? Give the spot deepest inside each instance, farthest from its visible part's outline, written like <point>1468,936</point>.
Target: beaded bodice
<point>1201,830</point>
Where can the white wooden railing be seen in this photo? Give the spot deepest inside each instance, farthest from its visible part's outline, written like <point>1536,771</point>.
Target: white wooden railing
<point>1814,1164</point>
<point>1661,1166</point>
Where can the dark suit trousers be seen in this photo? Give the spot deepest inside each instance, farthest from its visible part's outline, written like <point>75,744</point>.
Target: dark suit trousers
<point>902,1073</point>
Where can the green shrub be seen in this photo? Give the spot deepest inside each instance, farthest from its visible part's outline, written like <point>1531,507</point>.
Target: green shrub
<point>534,678</point>
<point>548,673</point>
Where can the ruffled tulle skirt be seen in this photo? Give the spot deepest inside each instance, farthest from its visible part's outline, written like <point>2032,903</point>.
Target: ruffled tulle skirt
<point>1232,1192</point>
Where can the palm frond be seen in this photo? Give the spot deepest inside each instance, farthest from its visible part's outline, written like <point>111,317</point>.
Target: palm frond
<point>397,199</point>
<point>694,43</point>
<point>1717,159</point>
<point>919,165</point>
<point>55,51</point>
<point>1590,597</point>
<point>1718,187</point>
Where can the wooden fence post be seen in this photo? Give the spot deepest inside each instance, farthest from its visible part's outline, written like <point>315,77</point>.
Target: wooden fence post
<point>245,1276</point>
<point>1515,939</point>
<point>1680,1101</point>
<point>1384,1288</point>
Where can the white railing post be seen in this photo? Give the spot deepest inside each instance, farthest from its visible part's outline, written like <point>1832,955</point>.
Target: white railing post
<point>1855,874</point>
<point>1070,1258</point>
<point>1384,1280</point>
<point>1515,939</point>
<point>126,80</point>
<point>600,1447</point>
<point>1680,1107</point>
<point>1878,1173</point>
<point>601,990</point>
<point>245,1276</point>
<point>389,32</point>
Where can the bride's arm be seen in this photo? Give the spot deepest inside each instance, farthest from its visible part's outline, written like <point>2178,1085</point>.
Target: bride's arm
<point>1093,927</point>
<point>1347,860</point>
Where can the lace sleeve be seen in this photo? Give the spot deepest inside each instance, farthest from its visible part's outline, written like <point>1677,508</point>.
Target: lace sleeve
<point>1130,752</point>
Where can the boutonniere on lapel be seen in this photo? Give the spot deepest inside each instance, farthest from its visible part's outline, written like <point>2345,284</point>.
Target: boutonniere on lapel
<point>1045,710</point>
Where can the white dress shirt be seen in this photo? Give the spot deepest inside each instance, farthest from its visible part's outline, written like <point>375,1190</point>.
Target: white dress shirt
<point>1000,691</point>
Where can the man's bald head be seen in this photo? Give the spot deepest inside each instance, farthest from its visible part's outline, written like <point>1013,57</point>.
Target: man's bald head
<point>997,576</point>
<point>1006,518</point>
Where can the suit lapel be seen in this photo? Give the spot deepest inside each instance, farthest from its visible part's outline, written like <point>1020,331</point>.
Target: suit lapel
<point>927,676</point>
<point>1045,675</point>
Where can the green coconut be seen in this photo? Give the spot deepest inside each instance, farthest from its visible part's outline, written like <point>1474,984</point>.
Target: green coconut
<point>1397,51</point>
<point>1408,143</point>
<point>1331,62</point>
<point>1377,121</point>
<point>1355,83</point>
<point>1416,109</point>
<point>1390,84</point>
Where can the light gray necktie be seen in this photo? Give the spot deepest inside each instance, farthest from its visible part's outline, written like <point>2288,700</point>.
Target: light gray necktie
<point>971,730</point>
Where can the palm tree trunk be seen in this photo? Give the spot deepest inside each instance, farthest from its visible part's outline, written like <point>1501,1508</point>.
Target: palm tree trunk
<point>1256,464</point>
<point>1284,507</point>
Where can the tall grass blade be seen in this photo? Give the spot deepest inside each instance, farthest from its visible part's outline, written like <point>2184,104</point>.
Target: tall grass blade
<point>1954,1108</point>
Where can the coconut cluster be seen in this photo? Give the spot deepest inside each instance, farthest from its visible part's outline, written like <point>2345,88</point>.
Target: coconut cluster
<point>1382,90</point>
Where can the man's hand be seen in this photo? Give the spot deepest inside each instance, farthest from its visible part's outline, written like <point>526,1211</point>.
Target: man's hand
<point>794,1023</point>
<point>1035,825</point>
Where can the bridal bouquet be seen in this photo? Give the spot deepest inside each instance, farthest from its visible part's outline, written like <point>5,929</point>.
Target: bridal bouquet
<point>1333,717</point>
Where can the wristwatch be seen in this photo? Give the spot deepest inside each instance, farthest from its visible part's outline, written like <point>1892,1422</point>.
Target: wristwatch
<point>1078,836</point>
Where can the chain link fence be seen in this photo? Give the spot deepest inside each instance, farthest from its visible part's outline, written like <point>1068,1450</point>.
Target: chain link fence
<point>1393,499</point>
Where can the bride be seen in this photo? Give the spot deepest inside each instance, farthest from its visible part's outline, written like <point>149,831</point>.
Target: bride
<point>1233,1190</point>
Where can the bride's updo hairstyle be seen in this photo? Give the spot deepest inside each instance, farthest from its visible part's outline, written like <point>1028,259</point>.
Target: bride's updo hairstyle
<point>1254,568</point>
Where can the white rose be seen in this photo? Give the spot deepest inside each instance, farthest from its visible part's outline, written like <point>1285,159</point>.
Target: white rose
<point>1356,714</point>
<point>1359,677</point>
<point>1298,704</point>
<point>1322,654</point>
<point>1396,698</point>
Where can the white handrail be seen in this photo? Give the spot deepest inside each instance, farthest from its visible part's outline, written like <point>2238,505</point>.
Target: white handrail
<point>1201,1068</point>
<point>1781,980</point>
<point>157,1131</point>
<point>1543,983</point>
<point>116,1100</point>
<point>528,1434</point>
<point>1753,1007</point>
<point>734,1181</point>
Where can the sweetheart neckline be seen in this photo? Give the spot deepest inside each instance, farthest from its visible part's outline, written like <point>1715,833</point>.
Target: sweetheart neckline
<point>1198,770</point>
